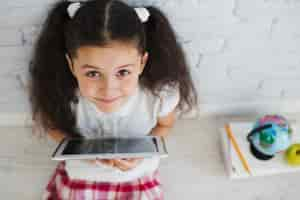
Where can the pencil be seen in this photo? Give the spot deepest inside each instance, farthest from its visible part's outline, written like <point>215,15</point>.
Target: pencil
<point>236,147</point>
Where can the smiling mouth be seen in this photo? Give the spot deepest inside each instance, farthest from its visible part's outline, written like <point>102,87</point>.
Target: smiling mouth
<point>108,100</point>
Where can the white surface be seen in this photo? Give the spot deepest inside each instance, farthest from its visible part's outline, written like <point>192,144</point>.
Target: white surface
<point>193,170</point>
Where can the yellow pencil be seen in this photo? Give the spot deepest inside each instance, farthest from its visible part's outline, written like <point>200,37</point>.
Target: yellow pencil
<point>236,147</point>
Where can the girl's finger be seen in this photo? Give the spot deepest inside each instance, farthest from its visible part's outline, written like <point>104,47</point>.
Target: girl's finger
<point>122,165</point>
<point>132,159</point>
<point>125,164</point>
<point>90,161</point>
<point>108,162</point>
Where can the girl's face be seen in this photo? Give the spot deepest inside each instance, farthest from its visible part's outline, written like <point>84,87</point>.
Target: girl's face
<point>108,75</point>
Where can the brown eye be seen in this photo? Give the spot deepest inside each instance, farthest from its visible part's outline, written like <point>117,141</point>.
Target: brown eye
<point>92,74</point>
<point>123,73</point>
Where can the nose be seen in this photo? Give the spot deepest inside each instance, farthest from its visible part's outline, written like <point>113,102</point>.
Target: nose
<point>108,86</point>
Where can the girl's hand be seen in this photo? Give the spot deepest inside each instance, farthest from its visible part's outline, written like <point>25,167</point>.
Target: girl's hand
<point>127,164</point>
<point>122,164</point>
<point>90,161</point>
<point>108,162</point>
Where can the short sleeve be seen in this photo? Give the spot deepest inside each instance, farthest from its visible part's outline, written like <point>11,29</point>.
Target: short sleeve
<point>169,99</point>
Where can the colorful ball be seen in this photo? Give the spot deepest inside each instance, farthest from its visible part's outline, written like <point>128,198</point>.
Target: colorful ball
<point>272,134</point>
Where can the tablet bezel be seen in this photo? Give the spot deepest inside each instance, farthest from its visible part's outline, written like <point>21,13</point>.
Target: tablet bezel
<point>161,145</point>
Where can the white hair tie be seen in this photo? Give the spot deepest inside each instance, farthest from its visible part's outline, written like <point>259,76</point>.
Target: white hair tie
<point>142,13</point>
<point>73,8</point>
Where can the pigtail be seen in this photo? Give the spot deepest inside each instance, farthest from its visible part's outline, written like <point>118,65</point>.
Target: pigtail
<point>52,86</point>
<point>166,63</point>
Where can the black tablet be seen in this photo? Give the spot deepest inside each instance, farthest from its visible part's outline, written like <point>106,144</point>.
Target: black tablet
<point>138,147</point>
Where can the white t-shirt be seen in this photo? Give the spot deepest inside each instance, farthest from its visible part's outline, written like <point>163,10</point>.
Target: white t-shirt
<point>136,117</point>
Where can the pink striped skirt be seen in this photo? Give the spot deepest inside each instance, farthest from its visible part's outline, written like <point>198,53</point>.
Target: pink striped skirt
<point>61,187</point>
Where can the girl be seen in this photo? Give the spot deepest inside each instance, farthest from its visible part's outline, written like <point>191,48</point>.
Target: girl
<point>103,68</point>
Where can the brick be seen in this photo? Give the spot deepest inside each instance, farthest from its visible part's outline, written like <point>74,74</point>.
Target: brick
<point>17,16</point>
<point>280,88</point>
<point>10,37</point>
<point>30,34</point>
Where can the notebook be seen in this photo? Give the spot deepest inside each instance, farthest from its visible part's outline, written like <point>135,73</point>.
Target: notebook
<point>234,164</point>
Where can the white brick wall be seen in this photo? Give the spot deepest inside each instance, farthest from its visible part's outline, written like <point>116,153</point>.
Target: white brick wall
<point>243,55</point>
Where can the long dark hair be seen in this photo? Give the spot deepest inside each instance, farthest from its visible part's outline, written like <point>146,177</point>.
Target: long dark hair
<point>96,23</point>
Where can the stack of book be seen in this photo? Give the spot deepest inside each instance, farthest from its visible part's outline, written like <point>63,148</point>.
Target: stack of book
<point>239,161</point>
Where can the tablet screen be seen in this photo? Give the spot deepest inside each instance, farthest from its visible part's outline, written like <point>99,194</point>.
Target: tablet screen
<point>111,145</point>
